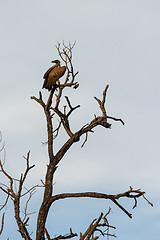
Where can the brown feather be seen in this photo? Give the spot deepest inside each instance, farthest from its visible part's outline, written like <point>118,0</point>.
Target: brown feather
<point>52,75</point>
<point>48,71</point>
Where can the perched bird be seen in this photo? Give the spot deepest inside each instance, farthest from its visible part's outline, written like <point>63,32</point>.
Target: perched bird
<point>53,74</point>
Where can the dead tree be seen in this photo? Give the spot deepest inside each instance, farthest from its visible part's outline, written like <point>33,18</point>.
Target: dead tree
<point>98,227</point>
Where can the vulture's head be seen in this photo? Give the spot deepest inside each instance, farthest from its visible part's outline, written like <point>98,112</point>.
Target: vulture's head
<point>57,62</point>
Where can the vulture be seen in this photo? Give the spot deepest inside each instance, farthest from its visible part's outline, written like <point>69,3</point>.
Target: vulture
<point>53,74</point>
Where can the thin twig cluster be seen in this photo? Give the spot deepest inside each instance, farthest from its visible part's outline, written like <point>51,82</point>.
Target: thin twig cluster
<point>16,193</point>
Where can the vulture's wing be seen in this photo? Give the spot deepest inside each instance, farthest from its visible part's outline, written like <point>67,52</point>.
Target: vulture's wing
<point>48,71</point>
<point>58,72</point>
<point>52,75</point>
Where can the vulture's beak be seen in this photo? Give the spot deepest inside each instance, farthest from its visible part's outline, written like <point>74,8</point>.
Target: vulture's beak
<point>55,61</point>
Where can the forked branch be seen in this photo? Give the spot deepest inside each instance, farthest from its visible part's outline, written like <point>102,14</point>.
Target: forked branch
<point>134,194</point>
<point>97,121</point>
<point>98,227</point>
<point>101,103</point>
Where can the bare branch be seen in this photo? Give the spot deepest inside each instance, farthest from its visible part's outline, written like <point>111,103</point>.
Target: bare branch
<point>64,116</point>
<point>16,195</point>
<point>47,234</point>
<point>97,226</point>
<point>67,236</point>
<point>122,208</point>
<point>66,56</point>
<point>40,101</point>
<point>85,140</point>
<point>11,192</point>
<point>101,103</point>
<point>56,131</point>
<point>148,201</point>
<point>5,201</point>
<point>26,218</point>
<point>129,194</point>
<point>2,224</point>
<point>92,228</point>
<point>70,106</point>
<point>116,119</point>
<point>23,177</point>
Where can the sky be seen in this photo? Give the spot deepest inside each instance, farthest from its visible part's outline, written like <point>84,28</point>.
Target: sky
<point>117,43</point>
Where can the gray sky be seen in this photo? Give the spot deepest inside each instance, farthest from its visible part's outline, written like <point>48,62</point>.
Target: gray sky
<point>117,43</point>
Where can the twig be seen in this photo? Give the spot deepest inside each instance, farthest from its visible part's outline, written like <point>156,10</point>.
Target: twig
<point>148,201</point>
<point>2,224</point>
<point>101,103</point>
<point>67,236</point>
<point>47,234</point>
<point>70,106</point>
<point>57,130</point>
<point>85,140</point>
<point>5,202</point>
<point>116,119</point>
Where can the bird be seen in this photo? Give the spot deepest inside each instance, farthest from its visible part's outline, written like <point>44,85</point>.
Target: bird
<point>52,75</point>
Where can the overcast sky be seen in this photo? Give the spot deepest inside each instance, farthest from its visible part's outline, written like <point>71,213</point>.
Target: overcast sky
<point>117,43</point>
